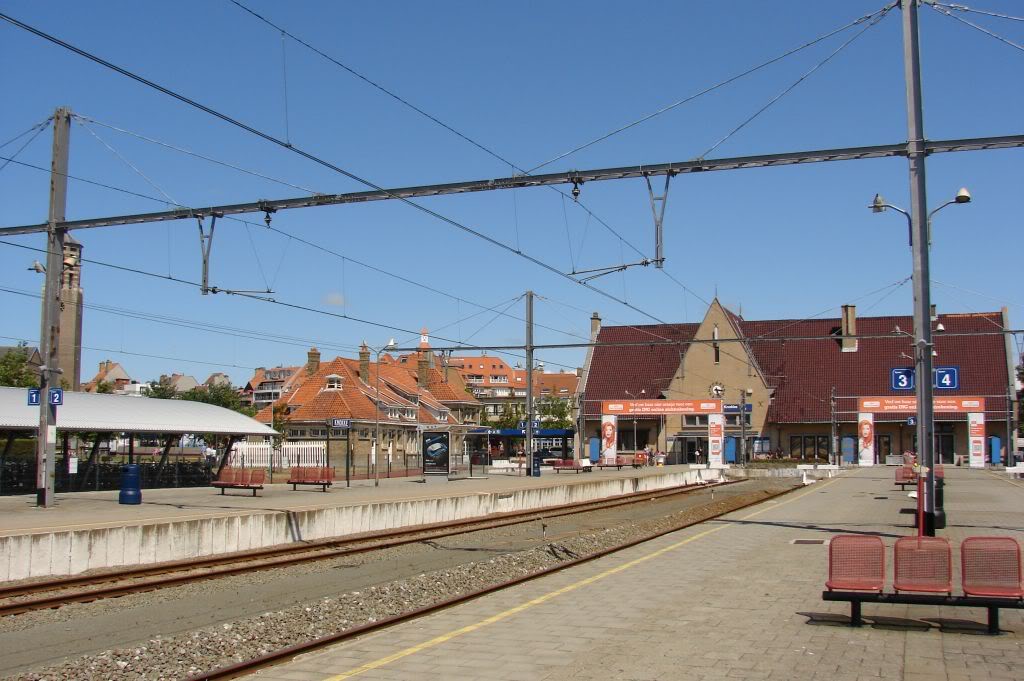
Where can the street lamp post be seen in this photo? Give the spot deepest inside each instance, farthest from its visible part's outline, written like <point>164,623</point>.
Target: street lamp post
<point>376,413</point>
<point>923,341</point>
<point>642,392</point>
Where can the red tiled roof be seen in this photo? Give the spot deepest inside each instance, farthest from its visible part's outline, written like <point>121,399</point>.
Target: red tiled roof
<point>803,372</point>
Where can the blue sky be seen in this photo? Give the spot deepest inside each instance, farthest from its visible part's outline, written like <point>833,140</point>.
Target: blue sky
<point>530,81</point>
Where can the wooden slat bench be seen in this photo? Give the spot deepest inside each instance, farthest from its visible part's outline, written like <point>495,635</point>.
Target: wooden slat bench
<point>318,477</point>
<point>240,478</point>
<point>905,475</point>
<point>620,461</point>
<point>990,567</point>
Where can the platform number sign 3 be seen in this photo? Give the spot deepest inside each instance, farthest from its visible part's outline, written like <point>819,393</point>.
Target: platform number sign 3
<point>902,379</point>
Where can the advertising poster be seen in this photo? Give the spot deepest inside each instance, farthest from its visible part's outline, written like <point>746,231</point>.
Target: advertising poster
<point>716,436</point>
<point>866,439</point>
<point>976,439</point>
<point>435,453</point>
<point>609,437</point>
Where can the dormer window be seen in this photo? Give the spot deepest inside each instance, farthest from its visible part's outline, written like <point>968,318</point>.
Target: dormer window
<point>334,382</point>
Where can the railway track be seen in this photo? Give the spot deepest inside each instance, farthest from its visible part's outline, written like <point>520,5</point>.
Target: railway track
<point>288,653</point>
<point>51,594</point>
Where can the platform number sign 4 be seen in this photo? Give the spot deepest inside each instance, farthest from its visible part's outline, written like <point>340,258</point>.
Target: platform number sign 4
<point>947,378</point>
<point>902,379</point>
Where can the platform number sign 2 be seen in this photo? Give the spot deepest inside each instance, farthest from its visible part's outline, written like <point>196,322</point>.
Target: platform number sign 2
<point>902,379</point>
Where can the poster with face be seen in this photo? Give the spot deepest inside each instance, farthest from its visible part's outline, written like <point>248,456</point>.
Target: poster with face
<point>716,434</point>
<point>976,439</point>
<point>609,438</point>
<point>866,439</point>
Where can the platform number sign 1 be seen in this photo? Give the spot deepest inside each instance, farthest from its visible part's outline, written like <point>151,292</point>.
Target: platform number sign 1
<point>947,378</point>
<point>902,379</point>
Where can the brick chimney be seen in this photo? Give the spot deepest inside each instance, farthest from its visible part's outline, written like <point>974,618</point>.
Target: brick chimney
<point>595,325</point>
<point>422,364</point>
<point>364,362</point>
<point>312,361</point>
<point>849,328</point>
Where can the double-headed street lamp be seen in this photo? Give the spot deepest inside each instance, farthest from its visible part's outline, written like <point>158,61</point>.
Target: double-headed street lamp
<point>923,347</point>
<point>376,430</point>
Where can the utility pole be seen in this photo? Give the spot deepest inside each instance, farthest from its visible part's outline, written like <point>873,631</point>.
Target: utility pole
<point>529,383</point>
<point>919,247</point>
<point>743,426</point>
<point>49,341</point>
<point>834,455</point>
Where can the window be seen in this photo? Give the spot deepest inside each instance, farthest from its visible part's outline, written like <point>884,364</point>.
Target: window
<point>297,433</point>
<point>499,378</point>
<point>718,355</point>
<point>501,392</point>
<point>334,382</point>
<point>695,420</point>
<point>519,393</point>
<point>734,419</point>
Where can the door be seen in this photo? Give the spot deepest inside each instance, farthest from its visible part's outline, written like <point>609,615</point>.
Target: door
<point>883,447</point>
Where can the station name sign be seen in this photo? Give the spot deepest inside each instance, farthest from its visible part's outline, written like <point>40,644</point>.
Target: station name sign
<point>660,407</point>
<point>885,405</point>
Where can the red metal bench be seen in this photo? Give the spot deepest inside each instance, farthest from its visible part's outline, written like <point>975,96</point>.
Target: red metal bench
<point>318,477</point>
<point>240,478</point>
<point>905,475</point>
<point>570,465</point>
<point>991,575</point>
<point>620,461</point>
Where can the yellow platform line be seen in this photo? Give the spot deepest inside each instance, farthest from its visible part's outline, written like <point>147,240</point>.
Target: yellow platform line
<point>443,638</point>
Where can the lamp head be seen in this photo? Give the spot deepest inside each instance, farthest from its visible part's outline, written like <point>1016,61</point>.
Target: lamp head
<point>878,205</point>
<point>37,267</point>
<point>963,196</point>
<point>940,327</point>
<point>391,345</point>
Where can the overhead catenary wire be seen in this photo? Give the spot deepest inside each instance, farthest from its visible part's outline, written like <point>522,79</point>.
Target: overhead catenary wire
<point>712,88</point>
<point>41,124</point>
<point>977,27</point>
<point>290,237</point>
<point>131,165</point>
<point>431,117</point>
<point>965,8</point>
<point>872,22</point>
<point>30,140</point>
<point>322,162</point>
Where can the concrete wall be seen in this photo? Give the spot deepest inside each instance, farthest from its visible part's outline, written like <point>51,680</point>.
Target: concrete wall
<point>71,552</point>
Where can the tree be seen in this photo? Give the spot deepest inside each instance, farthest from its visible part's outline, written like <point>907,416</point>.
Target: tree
<point>510,417</point>
<point>15,371</point>
<point>161,390</point>
<point>554,412</point>
<point>221,395</point>
<point>104,387</point>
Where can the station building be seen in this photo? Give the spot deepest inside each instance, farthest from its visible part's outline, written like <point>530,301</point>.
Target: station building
<point>792,386</point>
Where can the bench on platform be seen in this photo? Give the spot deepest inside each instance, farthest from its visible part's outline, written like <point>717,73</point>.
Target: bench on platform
<point>240,478</point>
<point>905,475</point>
<point>620,461</point>
<point>318,477</point>
<point>990,567</point>
<point>570,465</point>
<point>1015,471</point>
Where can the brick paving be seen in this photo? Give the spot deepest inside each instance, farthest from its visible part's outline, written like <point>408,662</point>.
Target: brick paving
<point>732,599</point>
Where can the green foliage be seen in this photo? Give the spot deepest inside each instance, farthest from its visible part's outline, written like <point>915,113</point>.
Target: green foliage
<point>220,395</point>
<point>510,417</point>
<point>105,387</point>
<point>554,412</point>
<point>15,371</point>
<point>161,390</point>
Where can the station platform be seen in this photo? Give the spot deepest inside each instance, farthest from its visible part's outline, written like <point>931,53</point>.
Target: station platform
<point>732,598</point>
<point>91,530</point>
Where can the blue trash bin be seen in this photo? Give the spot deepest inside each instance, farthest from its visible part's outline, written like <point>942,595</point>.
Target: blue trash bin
<point>537,456</point>
<point>131,487</point>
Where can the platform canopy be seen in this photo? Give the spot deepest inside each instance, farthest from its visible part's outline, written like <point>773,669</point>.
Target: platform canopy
<point>88,412</point>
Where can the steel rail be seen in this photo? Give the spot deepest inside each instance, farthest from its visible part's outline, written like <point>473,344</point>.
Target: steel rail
<point>576,177</point>
<point>181,572</point>
<point>290,652</point>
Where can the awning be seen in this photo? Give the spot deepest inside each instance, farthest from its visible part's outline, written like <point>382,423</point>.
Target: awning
<point>89,412</point>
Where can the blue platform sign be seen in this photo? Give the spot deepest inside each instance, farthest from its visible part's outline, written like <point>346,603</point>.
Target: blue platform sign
<point>735,408</point>
<point>56,397</point>
<point>911,420</point>
<point>947,378</point>
<point>33,397</point>
<point>341,424</point>
<point>902,378</point>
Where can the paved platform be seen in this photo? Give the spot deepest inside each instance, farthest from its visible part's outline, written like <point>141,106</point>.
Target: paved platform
<point>87,510</point>
<point>734,598</point>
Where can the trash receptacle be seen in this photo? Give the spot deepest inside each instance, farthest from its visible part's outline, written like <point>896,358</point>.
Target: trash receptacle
<point>131,487</point>
<point>659,459</point>
<point>535,472</point>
